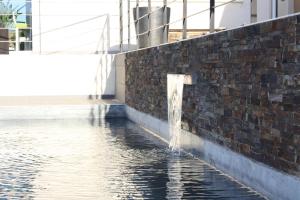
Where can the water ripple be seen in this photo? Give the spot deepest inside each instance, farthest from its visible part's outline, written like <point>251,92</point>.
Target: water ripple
<point>73,159</point>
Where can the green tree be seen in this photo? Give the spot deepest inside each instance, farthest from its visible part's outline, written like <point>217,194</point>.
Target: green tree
<point>8,13</point>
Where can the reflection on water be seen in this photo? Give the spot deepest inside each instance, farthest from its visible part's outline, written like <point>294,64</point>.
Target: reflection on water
<point>175,92</point>
<point>72,159</point>
<point>175,184</point>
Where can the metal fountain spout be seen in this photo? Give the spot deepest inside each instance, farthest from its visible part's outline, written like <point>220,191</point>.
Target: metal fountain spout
<point>190,79</point>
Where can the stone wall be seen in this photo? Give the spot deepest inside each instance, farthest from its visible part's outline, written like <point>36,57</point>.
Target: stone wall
<point>247,96</point>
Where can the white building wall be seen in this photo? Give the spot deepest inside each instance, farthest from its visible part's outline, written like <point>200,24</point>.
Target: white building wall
<point>56,75</point>
<point>285,7</point>
<point>72,26</point>
<point>264,10</point>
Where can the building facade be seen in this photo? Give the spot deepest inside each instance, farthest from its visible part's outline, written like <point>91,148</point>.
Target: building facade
<point>94,26</point>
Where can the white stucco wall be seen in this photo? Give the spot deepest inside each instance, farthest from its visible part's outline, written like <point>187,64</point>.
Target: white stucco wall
<point>225,15</point>
<point>285,7</point>
<point>264,9</point>
<point>72,26</point>
<point>55,75</point>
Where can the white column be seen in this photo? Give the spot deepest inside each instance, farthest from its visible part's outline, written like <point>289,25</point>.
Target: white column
<point>264,10</point>
<point>247,7</point>
<point>285,7</point>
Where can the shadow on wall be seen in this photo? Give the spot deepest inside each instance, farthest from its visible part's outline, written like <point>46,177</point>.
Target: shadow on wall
<point>105,73</point>
<point>98,113</point>
<point>105,79</point>
<point>126,47</point>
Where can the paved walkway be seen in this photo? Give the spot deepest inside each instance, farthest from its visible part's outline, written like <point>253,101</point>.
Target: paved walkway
<point>52,100</point>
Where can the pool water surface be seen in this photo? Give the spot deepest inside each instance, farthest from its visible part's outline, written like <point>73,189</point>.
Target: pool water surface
<point>102,159</point>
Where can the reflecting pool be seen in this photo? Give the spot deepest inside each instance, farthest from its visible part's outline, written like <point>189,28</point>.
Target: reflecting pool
<point>106,159</point>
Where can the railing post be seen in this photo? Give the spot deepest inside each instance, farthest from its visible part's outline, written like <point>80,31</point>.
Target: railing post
<point>212,16</point>
<point>128,21</point>
<point>184,20</point>
<point>149,23</point>
<point>165,18</point>
<point>121,24</point>
<point>102,65</point>
<point>137,14</point>
<point>108,32</point>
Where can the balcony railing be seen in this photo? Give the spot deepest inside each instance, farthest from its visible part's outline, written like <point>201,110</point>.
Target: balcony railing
<point>183,16</point>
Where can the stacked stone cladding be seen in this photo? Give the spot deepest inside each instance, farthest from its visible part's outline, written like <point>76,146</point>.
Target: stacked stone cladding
<point>247,95</point>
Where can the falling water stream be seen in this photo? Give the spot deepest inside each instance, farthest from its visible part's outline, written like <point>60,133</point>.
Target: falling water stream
<point>175,90</point>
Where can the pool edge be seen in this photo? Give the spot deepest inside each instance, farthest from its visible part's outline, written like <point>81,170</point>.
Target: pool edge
<point>85,111</point>
<point>264,179</point>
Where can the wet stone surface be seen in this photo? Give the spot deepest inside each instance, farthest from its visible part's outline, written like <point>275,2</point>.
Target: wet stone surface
<point>91,159</point>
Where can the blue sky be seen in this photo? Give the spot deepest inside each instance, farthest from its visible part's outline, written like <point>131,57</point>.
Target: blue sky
<point>19,4</point>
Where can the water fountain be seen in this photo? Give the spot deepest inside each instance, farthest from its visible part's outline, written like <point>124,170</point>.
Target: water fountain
<point>175,90</point>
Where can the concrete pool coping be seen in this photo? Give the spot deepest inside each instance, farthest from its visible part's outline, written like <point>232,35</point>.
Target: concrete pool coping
<point>59,107</point>
<point>54,100</point>
<point>264,179</point>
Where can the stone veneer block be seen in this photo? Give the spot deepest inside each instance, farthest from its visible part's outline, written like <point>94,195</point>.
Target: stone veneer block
<point>247,94</point>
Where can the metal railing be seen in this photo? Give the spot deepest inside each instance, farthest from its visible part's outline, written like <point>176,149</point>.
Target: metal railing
<point>121,32</point>
<point>17,37</point>
<point>273,9</point>
<point>164,4</point>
